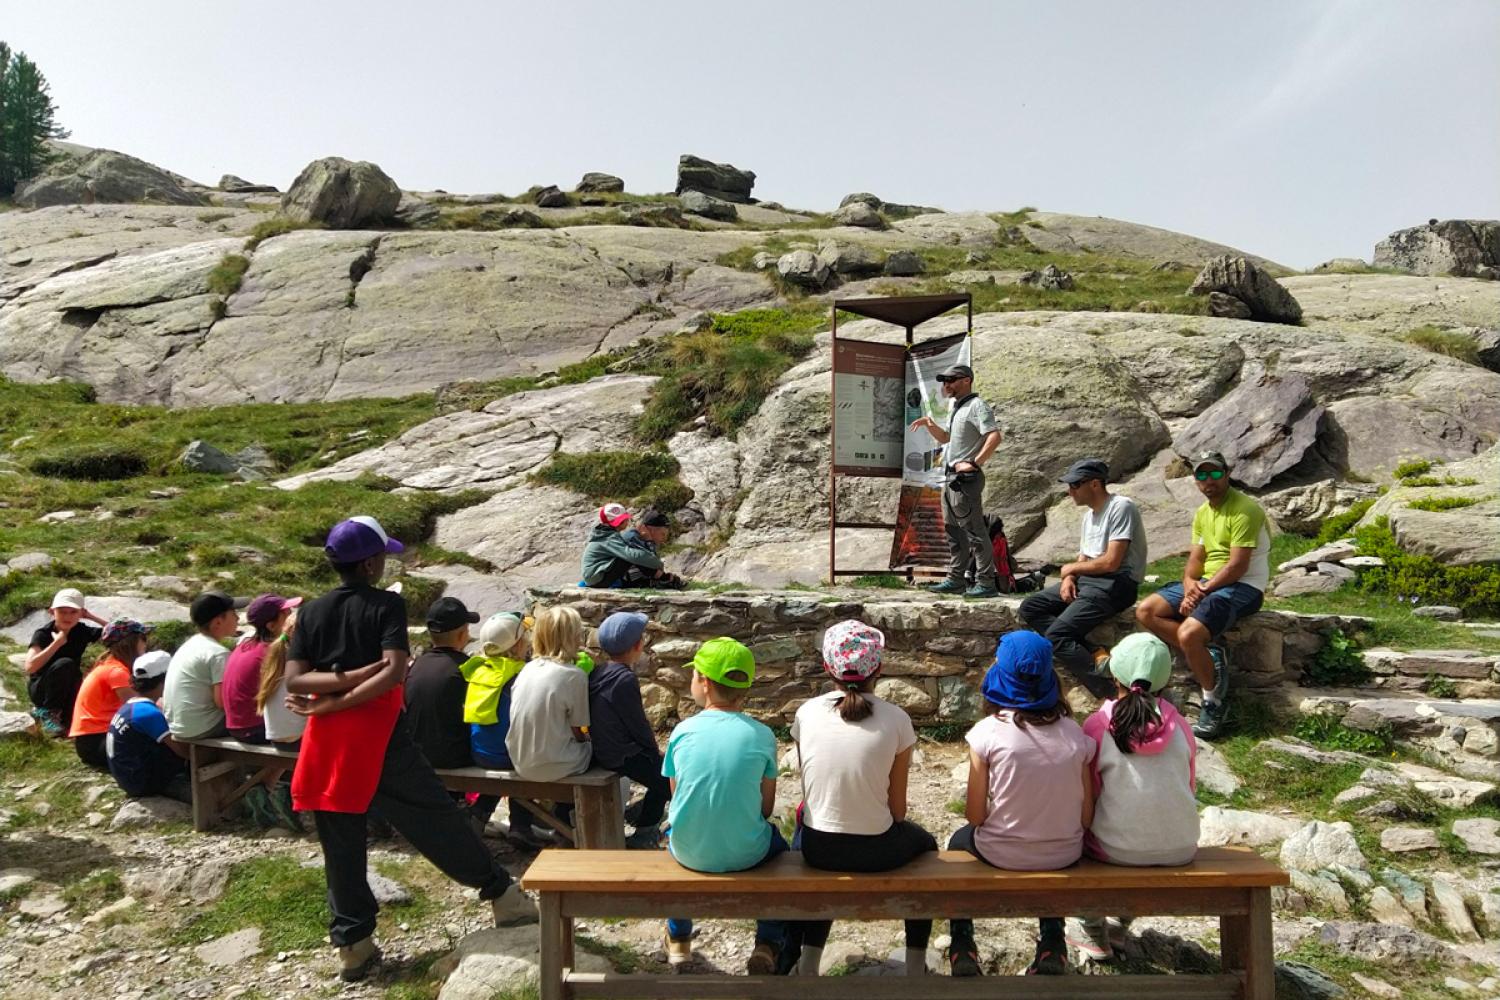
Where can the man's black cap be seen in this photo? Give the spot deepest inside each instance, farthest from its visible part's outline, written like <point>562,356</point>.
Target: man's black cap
<point>1085,469</point>
<point>211,604</point>
<point>955,372</point>
<point>654,519</point>
<point>449,613</point>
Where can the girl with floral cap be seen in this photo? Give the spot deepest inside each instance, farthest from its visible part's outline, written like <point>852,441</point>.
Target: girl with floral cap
<point>1030,794</point>
<point>105,688</point>
<point>855,753</point>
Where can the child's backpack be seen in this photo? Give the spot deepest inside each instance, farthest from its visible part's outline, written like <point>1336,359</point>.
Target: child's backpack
<point>1008,576</point>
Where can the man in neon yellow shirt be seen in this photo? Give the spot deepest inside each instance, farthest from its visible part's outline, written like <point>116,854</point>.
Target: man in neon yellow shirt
<point>1227,571</point>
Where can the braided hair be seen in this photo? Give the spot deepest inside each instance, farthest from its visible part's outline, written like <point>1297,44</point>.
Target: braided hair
<point>1135,717</point>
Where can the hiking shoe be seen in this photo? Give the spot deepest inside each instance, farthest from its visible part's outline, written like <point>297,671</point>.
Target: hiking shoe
<point>513,907</point>
<point>980,591</point>
<point>1051,959</point>
<point>633,812</point>
<point>356,960</point>
<point>946,587</point>
<point>525,836</point>
<point>281,808</point>
<point>1090,938</point>
<point>679,952</point>
<point>1101,662</point>
<point>1211,719</point>
<point>258,805</point>
<point>1220,656</point>
<point>963,960</point>
<point>647,838</point>
<point>762,960</point>
<point>48,722</point>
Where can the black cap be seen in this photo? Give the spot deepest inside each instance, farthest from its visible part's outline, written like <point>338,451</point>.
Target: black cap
<point>211,604</point>
<point>1085,469</point>
<point>449,613</point>
<point>1210,458</point>
<point>654,519</point>
<point>955,372</point>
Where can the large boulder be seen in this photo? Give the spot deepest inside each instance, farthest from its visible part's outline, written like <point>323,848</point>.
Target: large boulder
<point>857,213</point>
<point>1459,536</point>
<point>550,196</point>
<point>1239,278</point>
<point>1262,428</point>
<point>718,180</point>
<point>595,182</point>
<point>698,203</point>
<point>341,194</point>
<point>102,176</point>
<point>231,184</point>
<point>1460,247</point>
<point>803,268</point>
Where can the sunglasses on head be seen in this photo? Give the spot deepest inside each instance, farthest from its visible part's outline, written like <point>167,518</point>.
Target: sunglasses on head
<point>1207,474</point>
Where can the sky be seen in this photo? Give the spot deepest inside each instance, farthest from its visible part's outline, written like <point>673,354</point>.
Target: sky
<point>1300,130</point>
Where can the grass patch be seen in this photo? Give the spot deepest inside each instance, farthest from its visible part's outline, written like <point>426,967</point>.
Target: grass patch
<point>95,890</point>
<point>1436,504</point>
<point>1327,732</point>
<point>649,477</point>
<point>1392,621</point>
<point>224,280</point>
<point>277,225</point>
<point>955,806</point>
<point>883,581</point>
<point>623,957</point>
<point>1275,780</point>
<point>1449,343</point>
<point>944,732</point>
<point>1413,468</point>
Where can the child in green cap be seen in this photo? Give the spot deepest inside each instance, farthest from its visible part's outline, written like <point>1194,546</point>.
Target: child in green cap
<point>1145,809</point>
<point>722,765</point>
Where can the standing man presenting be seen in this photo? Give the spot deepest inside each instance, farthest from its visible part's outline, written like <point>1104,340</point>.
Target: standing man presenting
<point>972,437</point>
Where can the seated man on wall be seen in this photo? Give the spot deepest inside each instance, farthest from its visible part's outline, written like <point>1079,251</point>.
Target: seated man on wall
<point>1227,571</point>
<point>1100,584</point>
<point>618,556</point>
<point>652,530</point>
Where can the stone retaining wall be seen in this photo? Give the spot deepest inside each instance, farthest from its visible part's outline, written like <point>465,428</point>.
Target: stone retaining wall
<point>937,650</point>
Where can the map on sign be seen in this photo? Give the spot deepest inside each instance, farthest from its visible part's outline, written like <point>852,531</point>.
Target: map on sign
<point>869,407</point>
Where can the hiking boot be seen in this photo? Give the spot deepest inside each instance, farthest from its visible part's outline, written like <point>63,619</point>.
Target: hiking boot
<point>1090,938</point>
<point>48,722</point>
<point>946,587</point>
<point>1220,656</point>
<point>981,591</point>
<point>762,960</point>
<point>1051,959</point>
<point>679,952</point>
<point>513,907</point>
<point>357,959</point>
<point>1101,662</point>
<point>963,960</point>
<point>1211,719</point>
<point>647,838</point>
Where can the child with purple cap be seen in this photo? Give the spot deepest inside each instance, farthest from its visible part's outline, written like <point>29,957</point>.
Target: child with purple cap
<point>855,753</point>
<point>344,671</point>
<point>270,802</point>
<point>1030,792</point>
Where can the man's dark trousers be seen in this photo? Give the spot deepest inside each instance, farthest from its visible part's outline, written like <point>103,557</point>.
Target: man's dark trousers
<point>1066,624</point>
<point>968,536</point>
<point>412,799</point>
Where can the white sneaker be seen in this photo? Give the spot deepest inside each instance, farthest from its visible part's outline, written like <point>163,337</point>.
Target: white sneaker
<point>356,960</point>
<point>513,907</point>
<point>1090,940</point>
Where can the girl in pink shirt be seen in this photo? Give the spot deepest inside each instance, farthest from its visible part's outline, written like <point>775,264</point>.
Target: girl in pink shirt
<point>1030,795</point>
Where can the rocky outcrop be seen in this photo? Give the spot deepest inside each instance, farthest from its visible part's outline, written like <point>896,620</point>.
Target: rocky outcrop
<point>1057,232</point>
<point>1049,279</point>
<point>1239,279</point>
<point>1464,248</point>
<point>803,268</point>
<point>858,213</point>
<point>717,180</point>
<point>104,176</point>
<point>238,185</point>
<point>1460,536</point>
<point>550,196</point>
<point>1393,304</point>
<point>698,203</point>
<point>341,194</point>
<point>1263,427</point>
<point>595,182</point>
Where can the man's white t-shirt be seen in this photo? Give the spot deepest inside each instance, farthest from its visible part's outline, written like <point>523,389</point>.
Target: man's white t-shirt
<point>846,766</point>
<point>547,700</point>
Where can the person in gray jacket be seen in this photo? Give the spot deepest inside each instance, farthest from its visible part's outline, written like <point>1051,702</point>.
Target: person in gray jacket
<point>609,556</point>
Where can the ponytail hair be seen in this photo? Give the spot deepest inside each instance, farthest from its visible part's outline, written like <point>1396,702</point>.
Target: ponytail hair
<point>853,705</point>
<point>1135,717</point>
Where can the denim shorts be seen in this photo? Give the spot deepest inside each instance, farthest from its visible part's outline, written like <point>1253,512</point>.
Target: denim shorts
<point>1220,608</point>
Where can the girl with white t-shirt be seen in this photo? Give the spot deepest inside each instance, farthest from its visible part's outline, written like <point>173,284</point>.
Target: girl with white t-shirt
<point>1030,794</point>
<point>855,753</point>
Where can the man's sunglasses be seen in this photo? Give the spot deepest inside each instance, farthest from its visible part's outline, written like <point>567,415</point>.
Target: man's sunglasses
<point>1208,474</point>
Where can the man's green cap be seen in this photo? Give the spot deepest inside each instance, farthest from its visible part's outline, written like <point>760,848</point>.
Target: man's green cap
<point>717,658</point>
<point>1141,656</point>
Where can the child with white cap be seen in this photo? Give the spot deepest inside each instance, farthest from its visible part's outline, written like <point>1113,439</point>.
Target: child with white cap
<point>53,673</point>
<point>490,675</point>
<point>143,757</point>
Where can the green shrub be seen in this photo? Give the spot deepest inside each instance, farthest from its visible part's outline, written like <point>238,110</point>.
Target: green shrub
<point>277,225</point>
<point>169,635</point>
<point>1439,686</point>
<point>1436,504</point>
<point>1338,663</point>
<point>1423,579</point>
<point>1449,343</point>
<point>1325,731</point>
<point>1415,467</point>
<point>225,278</point>
<point>1339,525</point>
<point>94,465</point>
<point>648,478</point>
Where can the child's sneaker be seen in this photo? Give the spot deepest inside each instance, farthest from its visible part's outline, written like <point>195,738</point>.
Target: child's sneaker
<point>1101,662</point>
<point>513,907</point>
<point>647,838</point>
<point>963,960</point>
<point>1090,938</point>
<point>281,808</point>
<point>1051,958</point>
<point>679,952</point>
<point>49,723</point>
<point>762,960</point>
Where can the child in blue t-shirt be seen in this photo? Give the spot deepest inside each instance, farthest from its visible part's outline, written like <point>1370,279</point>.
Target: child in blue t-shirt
<point>143,757</point>
<point>722,765</point>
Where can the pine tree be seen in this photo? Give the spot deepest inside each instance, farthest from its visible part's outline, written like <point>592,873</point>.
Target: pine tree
<point>27,120</point>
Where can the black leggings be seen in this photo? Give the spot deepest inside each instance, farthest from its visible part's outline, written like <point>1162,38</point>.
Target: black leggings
<point>852,852</point>
<point>90,747</point>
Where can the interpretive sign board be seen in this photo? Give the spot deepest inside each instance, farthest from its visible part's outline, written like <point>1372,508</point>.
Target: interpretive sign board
<point>869,408</point>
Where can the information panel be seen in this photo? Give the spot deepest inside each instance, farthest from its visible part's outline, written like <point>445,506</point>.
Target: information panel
<point>869,407</point>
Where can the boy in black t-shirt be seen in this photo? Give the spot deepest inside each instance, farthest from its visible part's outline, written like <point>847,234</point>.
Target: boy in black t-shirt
<point>54,661</point>
<point>344,671</point>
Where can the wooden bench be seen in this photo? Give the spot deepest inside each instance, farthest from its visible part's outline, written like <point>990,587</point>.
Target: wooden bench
<point>598,818</point>
<point>1233,884</point>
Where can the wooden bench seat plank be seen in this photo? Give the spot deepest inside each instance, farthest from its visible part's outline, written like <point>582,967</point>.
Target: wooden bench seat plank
<point>657,873</point>
<point>607,986</point>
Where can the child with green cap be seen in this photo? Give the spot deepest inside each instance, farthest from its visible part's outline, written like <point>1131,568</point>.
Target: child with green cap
<point>1144,778</point>
<point>722,765</point>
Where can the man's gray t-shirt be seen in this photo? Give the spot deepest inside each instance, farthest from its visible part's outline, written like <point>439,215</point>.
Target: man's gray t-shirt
<point>971,422</point>
<point>1119,521</point>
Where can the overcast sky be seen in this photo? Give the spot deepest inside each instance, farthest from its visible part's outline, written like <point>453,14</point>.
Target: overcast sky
<point>1296,129</point>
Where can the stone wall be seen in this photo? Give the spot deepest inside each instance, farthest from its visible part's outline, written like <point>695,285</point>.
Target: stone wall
<point>937,650</point>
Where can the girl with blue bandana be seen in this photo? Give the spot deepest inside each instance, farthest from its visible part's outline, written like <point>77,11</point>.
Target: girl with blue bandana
<point>1030,794</point>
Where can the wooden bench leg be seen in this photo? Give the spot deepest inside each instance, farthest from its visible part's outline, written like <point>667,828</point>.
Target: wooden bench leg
<point>204,786</point>
<point>1247,947</point>
<point>598,817</point>
<point>554,947</point>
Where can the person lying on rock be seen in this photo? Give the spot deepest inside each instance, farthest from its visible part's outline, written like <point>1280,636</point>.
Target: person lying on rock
<point>53,674</point>
<point>1099,584</point>
<point>344,670</point>
<point>1227,571</point>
